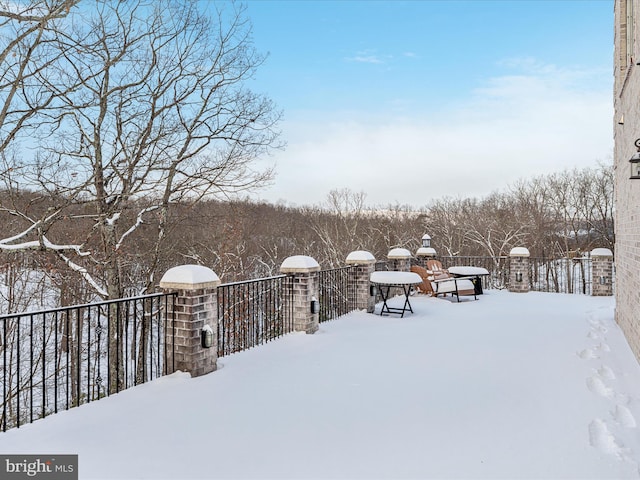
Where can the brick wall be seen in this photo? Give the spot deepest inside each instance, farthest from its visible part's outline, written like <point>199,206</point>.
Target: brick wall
<point>626,127</point>
<point>193,310</point>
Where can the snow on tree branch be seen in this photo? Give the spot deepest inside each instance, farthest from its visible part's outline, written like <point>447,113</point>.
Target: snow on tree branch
<point>139,221</point>
<point>84,274</point>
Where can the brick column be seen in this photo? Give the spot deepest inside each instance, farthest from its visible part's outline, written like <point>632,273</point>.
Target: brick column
<point>425,254</point>
<point>303,275</point>
<point>601,272</point>
<point>519,270</point>
<point>196,308</point>
<point>399,259</point>
<point>363,264</point>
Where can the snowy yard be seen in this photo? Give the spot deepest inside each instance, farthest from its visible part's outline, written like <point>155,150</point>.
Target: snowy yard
<point>510,386</point>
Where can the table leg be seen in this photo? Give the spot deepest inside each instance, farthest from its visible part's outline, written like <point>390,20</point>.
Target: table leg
<point>384,294</point>
<point>407,291</point>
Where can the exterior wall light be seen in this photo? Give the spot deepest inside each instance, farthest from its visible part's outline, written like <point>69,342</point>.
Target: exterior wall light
<point>206,337</point>
<point>426,241</point>
<point>519,277</point>
<point>603,280</point>
<point>635,162</point>
<point>373,291</point>
<point>315,305</point>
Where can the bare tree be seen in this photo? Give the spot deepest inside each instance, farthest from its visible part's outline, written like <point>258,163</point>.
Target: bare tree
<point>26,53</point>
<point>337,225</point>
<point>446,224</point>
<point>159,114</point>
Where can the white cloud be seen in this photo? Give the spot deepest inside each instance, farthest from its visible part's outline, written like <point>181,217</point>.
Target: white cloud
<point>366,59</point>
<point>535,122</point>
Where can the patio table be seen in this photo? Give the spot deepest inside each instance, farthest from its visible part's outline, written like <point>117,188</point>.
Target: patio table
<point>385,281</point>
<point>467,271</point>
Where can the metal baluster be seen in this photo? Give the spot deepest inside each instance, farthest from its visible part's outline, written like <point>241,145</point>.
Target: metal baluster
<point>18,372</point>
<point>31,372</point>
<point>4,375</point>
<point>88,354</point>
<point>78,357</point>
<point>67,373</point>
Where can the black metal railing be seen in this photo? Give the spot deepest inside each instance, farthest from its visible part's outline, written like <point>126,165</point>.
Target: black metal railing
<point>57,359</point>
<point>498,268</point>
<point>559,275</point>
<point>253,312</point>
<point>336,292</point>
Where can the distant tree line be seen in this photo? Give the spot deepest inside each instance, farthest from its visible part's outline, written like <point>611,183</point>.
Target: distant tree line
<point>558,215</point>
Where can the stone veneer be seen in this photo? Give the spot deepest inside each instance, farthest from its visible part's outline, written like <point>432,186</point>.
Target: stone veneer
<point>399,259</point>
<point>195,306</point>
<point>601,272</point>
<point>302,273</point>
<point>424,254</point>
<point>362,266</point>
<point>519,267</point>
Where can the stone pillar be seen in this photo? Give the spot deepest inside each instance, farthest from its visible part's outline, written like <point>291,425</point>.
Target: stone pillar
<point>519,270</point>
<point>601,272</point>
<point>362,265</point>
<point>303,275</point>
<point>195,309</point>
<point>425,254</point>
<point>399,260</point>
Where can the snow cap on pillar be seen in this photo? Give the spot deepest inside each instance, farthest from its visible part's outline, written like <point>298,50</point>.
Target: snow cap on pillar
<point>189,277</point>
<point>601,252</point>
<point>399,253</point>
<point>299,263</point>
<point>426,252</point>
<point>360,257</point>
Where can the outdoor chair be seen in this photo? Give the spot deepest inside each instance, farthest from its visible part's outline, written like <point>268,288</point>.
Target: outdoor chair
<point>443,283</point>
<point>424,287</point>
<point>435,267</point>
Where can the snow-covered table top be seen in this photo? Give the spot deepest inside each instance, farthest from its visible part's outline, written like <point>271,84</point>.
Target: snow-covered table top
<point>395,278</point>
<point>468,270</point>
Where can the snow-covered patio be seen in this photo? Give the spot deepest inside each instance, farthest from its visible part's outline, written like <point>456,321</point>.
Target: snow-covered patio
<point>510,386</point>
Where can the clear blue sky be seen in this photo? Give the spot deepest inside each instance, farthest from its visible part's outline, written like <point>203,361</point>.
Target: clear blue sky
<point>462,97</point>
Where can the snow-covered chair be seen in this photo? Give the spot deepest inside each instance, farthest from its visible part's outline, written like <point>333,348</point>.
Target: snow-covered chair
<point>434,267</point>
<point>446,283</point>
<point>442,283</point>
<point>424,287</point>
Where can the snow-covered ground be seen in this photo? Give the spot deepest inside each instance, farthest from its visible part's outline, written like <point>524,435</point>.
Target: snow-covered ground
<point>535,385</point>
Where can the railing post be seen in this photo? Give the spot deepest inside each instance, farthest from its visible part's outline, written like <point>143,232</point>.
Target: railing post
<point>363,264</point>
<point>425,254</point>
<point>399,259</point>
<point>192,345</point>
<point>302,272</point>
<point>601,272</point>
<point>519,270</point>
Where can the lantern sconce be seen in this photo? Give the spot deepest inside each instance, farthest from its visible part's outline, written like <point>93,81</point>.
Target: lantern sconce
<point>315,305</point>
<point>426,241</point>
<point>373,291</point>
<point>519,277</point>
<point>603,280</point>
<point>635,162</point>
<point>206,337</point>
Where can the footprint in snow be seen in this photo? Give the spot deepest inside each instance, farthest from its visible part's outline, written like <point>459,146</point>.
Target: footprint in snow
<point>601,438</point>
<point>598,326</point>
<point>606,372</point>
<point>594,335</point>
<point>597,386</point>
<point>587,353</point>
<point>623,416</point>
